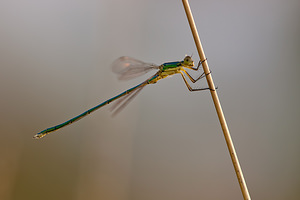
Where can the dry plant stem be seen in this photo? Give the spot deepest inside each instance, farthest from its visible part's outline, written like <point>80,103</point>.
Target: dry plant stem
<point>217,104</point>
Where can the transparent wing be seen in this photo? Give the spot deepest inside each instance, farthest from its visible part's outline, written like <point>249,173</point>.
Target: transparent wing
<point>121,103</point>
<point>128,68</point>
<point>124,101</point>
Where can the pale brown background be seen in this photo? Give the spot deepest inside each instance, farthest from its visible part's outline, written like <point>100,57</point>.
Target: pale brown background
<point>55,58</point>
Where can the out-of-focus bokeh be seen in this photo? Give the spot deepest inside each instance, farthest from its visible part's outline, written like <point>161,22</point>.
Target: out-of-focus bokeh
<point>55,58</point>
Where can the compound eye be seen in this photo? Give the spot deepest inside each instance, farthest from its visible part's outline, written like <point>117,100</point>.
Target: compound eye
<point>187,59</point>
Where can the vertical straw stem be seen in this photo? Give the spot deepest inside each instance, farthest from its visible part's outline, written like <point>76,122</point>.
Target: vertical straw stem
<point>232,152</point>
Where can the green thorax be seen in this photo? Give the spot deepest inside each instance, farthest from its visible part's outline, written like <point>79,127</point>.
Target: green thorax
<point>169,65</point>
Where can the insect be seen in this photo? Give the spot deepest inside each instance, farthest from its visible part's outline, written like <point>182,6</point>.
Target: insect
<point>128,68</point>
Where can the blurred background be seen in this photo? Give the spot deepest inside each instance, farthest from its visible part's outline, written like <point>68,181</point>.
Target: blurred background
<point>55,58</point>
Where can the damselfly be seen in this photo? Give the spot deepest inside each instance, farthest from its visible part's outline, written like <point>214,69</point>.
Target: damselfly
<point>128,68</point>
